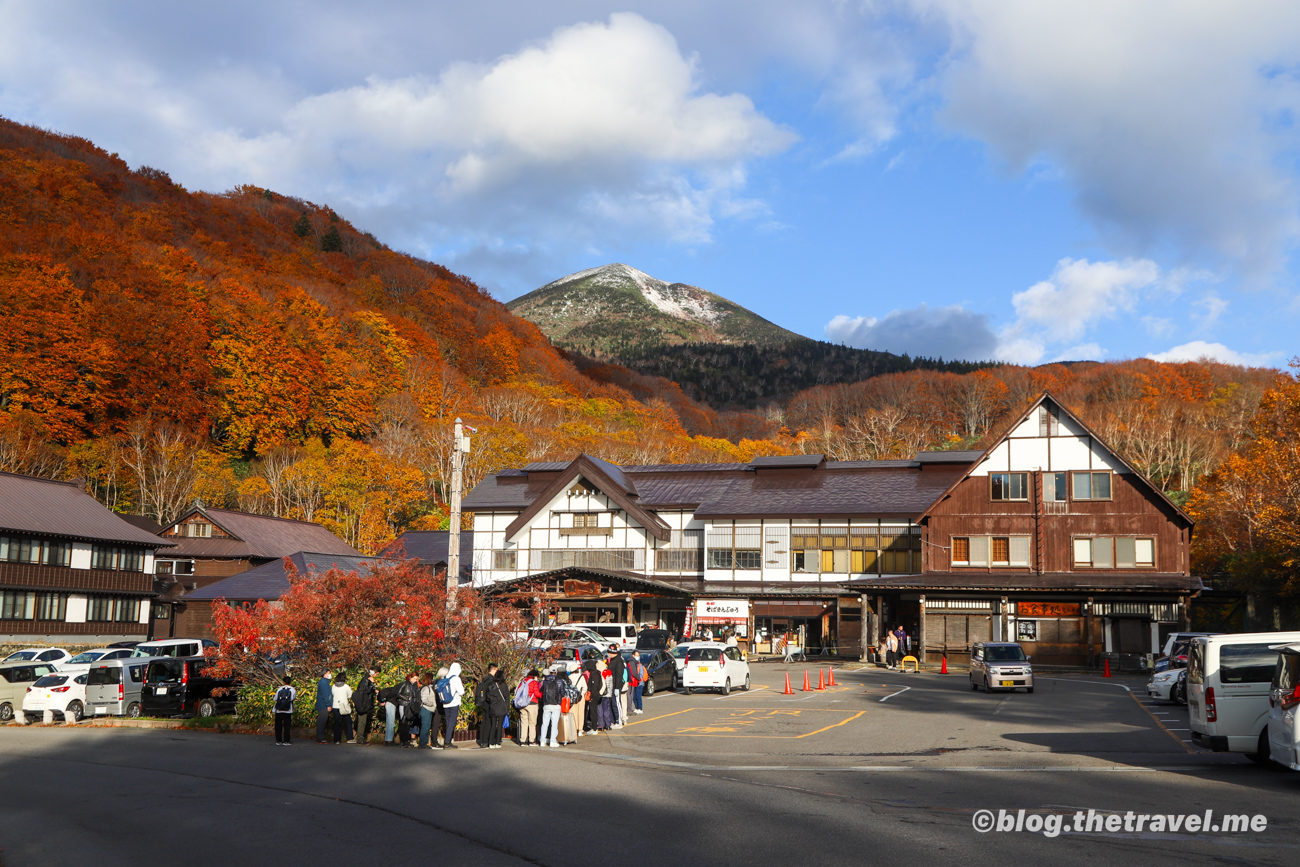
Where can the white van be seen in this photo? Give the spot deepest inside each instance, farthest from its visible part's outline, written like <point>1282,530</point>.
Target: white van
<point>1228,681</point>
<point>622,634</point>
<point>1283,702</point>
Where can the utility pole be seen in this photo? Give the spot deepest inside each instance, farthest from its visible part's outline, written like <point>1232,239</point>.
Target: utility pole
<point>459,454</point>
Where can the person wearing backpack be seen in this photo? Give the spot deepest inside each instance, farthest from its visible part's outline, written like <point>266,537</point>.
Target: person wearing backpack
<point>527,695</point>
<point>618,672</point>
<point>496,705</point>
<point>283,703</point>
<point>480,704</point>
<point>552,693</point>
<point>342,710</point>
<point>639,675</point>
<point>593,683</point>
<point>450,691</point>
<point>578,701</point>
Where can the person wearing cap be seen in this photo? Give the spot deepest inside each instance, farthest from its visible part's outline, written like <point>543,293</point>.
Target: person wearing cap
<point>618,674</point>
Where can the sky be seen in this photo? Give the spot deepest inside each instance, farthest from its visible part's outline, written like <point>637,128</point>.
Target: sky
<point>1017,180</point>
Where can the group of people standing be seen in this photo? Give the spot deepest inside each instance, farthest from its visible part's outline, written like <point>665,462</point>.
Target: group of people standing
<point>555,708</point>
<point>894,646</point>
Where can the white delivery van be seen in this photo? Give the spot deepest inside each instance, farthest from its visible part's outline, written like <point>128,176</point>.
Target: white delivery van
<point>622,634</point>
<point>1228,682</point>
<point>1283,702</point>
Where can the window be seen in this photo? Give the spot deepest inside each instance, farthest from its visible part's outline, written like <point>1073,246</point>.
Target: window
<point>1054,488</point>
<point>1010,486</point>
<point>162,612</point>
<point>1092,486</point>
<point>1049,422</point>
<point>198,530</point>
<point>685,552</point>
<point>162,567</point>
<point>112,609</point>
<point>857,550</point>
<point>42,552</point>
<point>29,605</point>
<point>590,519</point>
<point>504,559</point>
<point>1246,663</point>
<point>1121,552</point>
<point>117,559</point>
<point>990,551</point>
<point>738,547</point>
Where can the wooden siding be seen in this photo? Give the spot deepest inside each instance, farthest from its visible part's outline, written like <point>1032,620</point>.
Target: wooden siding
<point>26,575</point>
<point>58,627</point>
<point>215,569</point>
<point>1132,511</point>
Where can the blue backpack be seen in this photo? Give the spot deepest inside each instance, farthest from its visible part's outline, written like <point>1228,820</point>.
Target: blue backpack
<point>443,689</point>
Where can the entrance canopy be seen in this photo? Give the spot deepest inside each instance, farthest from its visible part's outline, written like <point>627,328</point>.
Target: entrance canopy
<point>581,582</point>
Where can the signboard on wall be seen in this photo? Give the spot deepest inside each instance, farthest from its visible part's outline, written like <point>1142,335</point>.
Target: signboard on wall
<point>1026,630</point>
<point>1047,609</point>
<point>722,610</point>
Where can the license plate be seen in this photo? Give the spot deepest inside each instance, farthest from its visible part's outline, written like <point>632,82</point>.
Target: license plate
<point>100,710</point>
<point>703,667</point>
<point>160,690</point>
<point>1008,683</point>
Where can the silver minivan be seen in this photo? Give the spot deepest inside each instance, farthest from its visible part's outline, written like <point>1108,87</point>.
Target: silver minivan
<point>113,687</point>
<point>1000,665</point>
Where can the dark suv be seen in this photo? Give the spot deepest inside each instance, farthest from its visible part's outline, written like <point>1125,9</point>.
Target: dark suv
<point>183,687</point>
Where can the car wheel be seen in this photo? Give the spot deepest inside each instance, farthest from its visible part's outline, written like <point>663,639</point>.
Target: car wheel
<point>686,690</point>
<point>133,710</point>
<point>207,707</point>
<point>76,710</point>
<point>973,685</point>
<point>649,687</point>
<point>1261,755</point>
<point>726,687</point>
<point>6,712</point>
<point>746,686</point>
<point>988,687</point>
<point>1029,689</point>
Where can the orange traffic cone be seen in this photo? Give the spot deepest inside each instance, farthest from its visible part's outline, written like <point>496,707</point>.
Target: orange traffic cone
<point>821,684</point>
<point>788,690</point>
<point>806,687</point>
<point>832,680</point>
<point>944,669</point>
<point>1106,671</point>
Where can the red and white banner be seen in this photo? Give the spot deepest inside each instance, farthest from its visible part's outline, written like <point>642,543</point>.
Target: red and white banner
<point>721,610</point>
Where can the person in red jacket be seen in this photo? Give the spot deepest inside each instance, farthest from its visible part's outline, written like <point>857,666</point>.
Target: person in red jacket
<point>528,713</point>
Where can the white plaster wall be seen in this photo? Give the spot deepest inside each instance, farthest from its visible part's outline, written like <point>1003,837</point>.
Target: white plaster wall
<point>1070,453</point>
<point>1028,454</point>
<point>76,610</point>
<point>80,556</point>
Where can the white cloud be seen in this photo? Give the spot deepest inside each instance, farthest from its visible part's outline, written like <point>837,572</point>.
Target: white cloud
<point>948,332</point>
<point>1169,119</point>
<point>1198,349</point>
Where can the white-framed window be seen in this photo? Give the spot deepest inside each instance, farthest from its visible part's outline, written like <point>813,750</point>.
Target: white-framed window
<point>990,551</point>
<point>1054,488</point>
<point>1115,552</point>
<point>1091,486</point>
<point>738,546</point>
<point>1009,486</point>
<point>505,559</point>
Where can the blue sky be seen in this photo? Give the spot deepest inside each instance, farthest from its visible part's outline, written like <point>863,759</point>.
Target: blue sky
<point>1018,180</point>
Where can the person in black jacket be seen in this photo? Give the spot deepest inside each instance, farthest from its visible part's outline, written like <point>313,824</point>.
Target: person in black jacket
<point>480,702</point>
<point>390,699</point>
<point>408,708</point>
<point>594,682</point>
<point>363,705</point>
<point>617,668</point>
<point>498,697</point>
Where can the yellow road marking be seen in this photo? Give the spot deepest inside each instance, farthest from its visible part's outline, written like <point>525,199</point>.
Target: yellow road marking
<point>1159,723</point>
<point>723,723</point>
<point>653,718</point>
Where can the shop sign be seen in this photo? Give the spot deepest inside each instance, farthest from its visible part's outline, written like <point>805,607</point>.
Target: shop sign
<point>574,587</point>
<point>722,610</point>
<point>1026,630</point>
<point>1047,609</point>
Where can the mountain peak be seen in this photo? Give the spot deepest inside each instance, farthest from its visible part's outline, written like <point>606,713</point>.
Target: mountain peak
<point>616,308</point>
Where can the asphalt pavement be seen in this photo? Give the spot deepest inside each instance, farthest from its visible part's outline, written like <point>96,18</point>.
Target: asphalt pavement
<point>883,768</point>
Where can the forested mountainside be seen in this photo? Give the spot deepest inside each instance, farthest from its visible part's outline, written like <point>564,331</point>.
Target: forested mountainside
<point>259,352</point>
<point>745,376</point>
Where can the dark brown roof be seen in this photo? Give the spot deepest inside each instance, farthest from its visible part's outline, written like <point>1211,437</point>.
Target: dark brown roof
<point>994,581</point>
<point>901,492</point>
<point>258,537</point>
<point>49,508</point>
<point>578,571</point>
<point>609,479</point>
<point>144,522</point>
<point>270,580</point>
<point>955,456</point>
<point>787,461</point>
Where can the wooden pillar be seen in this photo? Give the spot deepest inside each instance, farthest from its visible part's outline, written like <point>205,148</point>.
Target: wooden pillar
<point>1087,633</point>
<point>920,633</point>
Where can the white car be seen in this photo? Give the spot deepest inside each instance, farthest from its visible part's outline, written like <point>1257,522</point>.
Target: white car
<point>710,665</point>
<point>542,637</point>
<point>1283,702</point>
<point>679,656</point>
<point>83,661</point>
<point>55,656</point>
<point>64,693</point>
<point>1163,683</point>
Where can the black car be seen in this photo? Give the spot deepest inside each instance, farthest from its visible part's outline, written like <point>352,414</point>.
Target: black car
<point>183,687</point>
<point>653,639</point>
<point>661,669</point>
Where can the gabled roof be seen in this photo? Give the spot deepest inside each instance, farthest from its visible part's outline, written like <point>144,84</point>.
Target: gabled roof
<point>431,547</point>
<point>45,507</point>
<point>608,479</point>
<point>270,581</point>
<point>258,537</point>
<point>1024,417</point>
<point>577,571</point>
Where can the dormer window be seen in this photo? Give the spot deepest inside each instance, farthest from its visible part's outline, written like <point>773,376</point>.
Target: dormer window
<point>198,530</point>
<point>590,519</point>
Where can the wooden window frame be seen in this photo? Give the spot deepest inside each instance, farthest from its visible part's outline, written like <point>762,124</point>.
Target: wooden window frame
<point>1024,487</point>
<point>1092,486</point>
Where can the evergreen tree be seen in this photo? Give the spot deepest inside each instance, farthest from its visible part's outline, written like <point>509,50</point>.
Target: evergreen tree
<point>332,241</point>
<point>302,228</point>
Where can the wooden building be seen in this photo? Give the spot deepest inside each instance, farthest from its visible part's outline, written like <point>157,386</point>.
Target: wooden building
<point>71,571</point>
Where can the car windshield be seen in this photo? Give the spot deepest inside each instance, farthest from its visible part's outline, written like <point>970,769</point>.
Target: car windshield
<point>680,651</point>
<point>704,654</point>
<point>88,656</point>
<point>1004,653</point>
<point>52,680</point>
<point>164,671</point>
<point>20,656</point>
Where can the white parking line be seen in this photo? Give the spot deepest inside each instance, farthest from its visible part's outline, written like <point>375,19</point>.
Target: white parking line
<point>892,694</point>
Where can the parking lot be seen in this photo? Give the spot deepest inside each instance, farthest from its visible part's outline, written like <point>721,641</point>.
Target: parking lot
<point>883,767</point>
